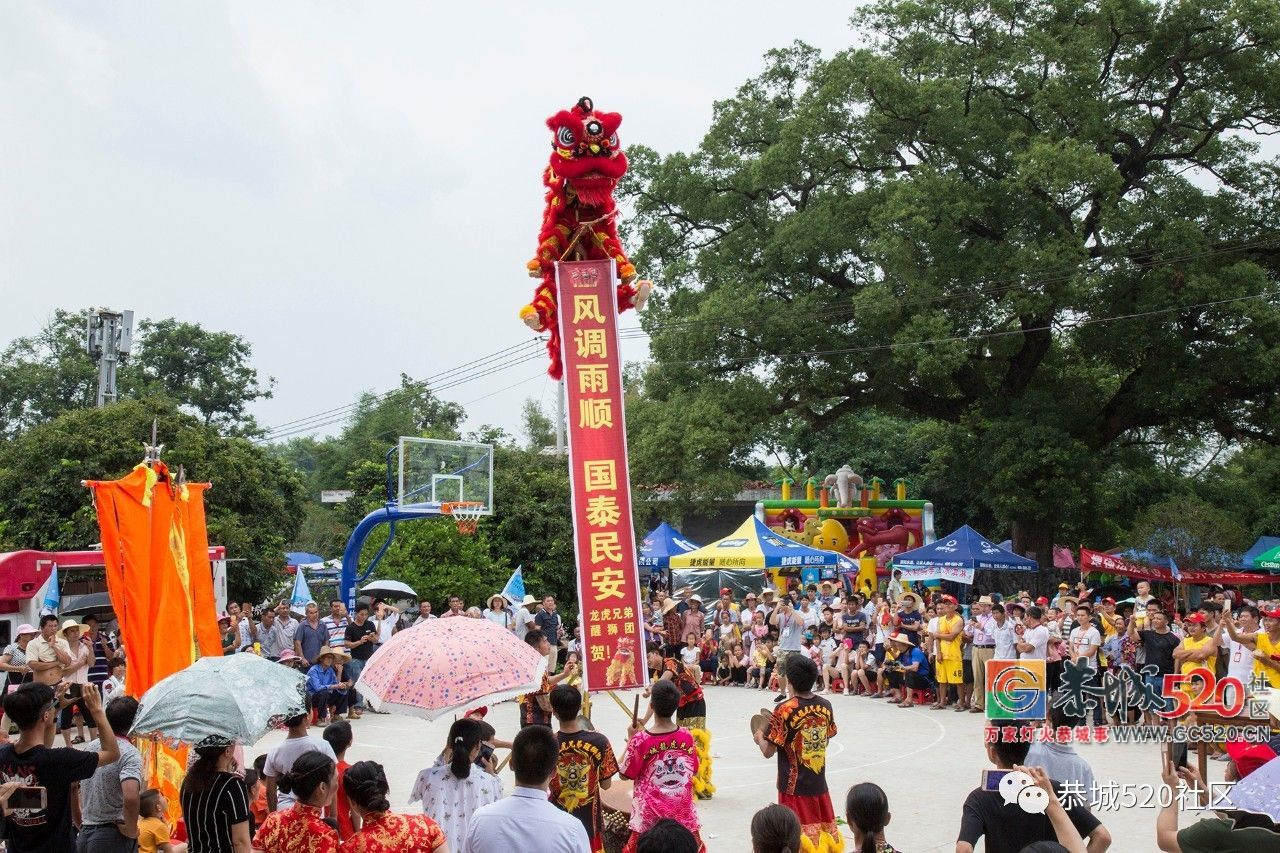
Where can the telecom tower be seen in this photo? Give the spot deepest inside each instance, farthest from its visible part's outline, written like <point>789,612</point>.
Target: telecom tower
<point>108,339</point>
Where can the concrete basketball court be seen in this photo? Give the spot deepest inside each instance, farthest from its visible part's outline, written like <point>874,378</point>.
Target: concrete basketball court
<point>927,762</point>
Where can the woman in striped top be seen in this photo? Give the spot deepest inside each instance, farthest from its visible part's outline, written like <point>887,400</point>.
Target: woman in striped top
<point>215,804</point>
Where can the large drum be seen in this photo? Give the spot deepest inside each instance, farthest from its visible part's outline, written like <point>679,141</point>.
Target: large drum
<point>617,812</point>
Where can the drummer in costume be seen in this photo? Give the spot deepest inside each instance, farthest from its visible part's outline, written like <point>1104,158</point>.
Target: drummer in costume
<point>535,708</point>
<point>798,732</point>
<point>690,714</point>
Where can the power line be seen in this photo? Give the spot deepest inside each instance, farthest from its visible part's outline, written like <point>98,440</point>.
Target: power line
<point>530,350</point>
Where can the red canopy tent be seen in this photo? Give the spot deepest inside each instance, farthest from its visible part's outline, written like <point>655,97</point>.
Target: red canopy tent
<point>1097,561</point>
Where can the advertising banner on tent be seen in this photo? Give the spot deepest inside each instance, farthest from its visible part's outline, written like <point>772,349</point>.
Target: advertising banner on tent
<point>1096,561</point>
<point>599,482</point>
<point>937,573</point>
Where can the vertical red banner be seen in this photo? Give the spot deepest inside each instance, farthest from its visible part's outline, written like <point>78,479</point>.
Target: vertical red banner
<point>599,483</point>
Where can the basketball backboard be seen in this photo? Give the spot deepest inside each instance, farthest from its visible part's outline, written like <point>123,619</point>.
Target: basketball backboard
<point>433,470</point>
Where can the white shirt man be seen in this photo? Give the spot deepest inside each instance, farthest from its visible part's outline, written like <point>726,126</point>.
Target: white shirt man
<point>1085,640</point>
<point>808,614</point>
<point>525,620</point>
<point>1034,644</point>
<point>511,823</point>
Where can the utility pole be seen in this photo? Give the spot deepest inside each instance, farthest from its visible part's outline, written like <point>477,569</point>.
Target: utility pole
<point>560,418</point>
<point>108,339</point>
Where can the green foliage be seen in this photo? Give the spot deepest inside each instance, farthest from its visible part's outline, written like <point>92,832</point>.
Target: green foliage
<point>1041,228</point>
<point>49,373</point>
<point>1192,531</point>
<point>251,507</point>
<point>209,372</point>
<point>539,429</point>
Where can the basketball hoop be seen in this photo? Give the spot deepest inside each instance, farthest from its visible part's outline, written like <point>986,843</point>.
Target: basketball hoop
<point>466,514</point>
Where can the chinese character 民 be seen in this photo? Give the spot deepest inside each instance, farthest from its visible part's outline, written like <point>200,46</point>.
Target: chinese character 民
<point>605,547</point>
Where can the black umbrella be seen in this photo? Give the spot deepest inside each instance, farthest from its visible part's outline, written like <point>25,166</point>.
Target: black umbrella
<point>93,603</point>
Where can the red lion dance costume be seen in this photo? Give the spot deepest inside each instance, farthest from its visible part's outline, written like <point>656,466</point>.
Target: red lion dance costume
<point>578,223</point>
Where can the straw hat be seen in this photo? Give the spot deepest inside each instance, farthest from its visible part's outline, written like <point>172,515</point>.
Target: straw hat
<point>1068,601</point>
<point>498,596</point>
<point>826,585</point>
<point>528,599</point>
<point>71,623</point>
<point>338,655</point>
<point>986,599</point>
<point>910,597</point>
<point>768,590</point>
<point>899,637</point>
<point>669,605</point>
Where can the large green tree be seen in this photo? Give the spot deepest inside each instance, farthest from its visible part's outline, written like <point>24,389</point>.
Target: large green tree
<point>252,506</point>
<point>1045,227</point>
<point>206,372</point>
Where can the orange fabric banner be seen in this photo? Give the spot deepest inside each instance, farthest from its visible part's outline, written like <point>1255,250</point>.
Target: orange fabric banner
<point>156,551</point>
<point>203,605</point>
<point>124,520</point>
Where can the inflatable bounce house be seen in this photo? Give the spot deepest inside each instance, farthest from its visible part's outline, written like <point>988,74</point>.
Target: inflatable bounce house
<point>846,514</point>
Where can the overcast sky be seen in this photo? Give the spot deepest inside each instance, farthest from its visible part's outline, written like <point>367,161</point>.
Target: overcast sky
<point>354,188</point>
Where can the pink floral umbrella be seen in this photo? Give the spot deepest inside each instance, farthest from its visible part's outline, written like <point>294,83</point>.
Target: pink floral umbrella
<point>449,666</point>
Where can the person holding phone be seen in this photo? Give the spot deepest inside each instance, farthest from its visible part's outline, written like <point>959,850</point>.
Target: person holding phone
<point>32,708</point>
<point>77,674</point>
<point>452,789</point>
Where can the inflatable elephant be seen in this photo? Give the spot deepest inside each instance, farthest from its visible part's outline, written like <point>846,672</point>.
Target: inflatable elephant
<point>843,483</point>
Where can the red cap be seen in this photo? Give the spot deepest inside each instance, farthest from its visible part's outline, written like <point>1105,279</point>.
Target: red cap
<point>1197,618</point>
<point>1108,600</point>
<point>950,599</point>
<point>726,591</point>
<point>1248,757</point>
<point>1271,614</point>
<point>1042,601</point>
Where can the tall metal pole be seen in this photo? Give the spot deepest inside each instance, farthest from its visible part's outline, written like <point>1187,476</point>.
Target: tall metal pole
<point>560,425</point>
<point>110,337</point>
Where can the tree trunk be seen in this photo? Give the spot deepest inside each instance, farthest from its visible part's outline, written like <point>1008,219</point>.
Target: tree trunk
<point>1033,538</point>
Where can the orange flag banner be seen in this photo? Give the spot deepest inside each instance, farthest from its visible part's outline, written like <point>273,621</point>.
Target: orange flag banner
<point>156,550</point>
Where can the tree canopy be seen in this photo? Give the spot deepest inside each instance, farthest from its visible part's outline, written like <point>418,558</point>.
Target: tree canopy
<point>1045,228</point>
<point>252,507</point>
<point>208,373</point>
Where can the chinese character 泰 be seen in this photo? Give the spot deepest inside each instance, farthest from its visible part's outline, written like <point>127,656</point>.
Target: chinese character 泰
<point>603,511</point>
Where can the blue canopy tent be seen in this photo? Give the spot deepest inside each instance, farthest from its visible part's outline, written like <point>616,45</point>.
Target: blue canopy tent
<point>1250,560</point>
<point>658,547</point>
<point>956,557</point>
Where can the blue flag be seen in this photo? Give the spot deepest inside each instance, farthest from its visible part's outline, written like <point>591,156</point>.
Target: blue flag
<point>514,590</point>
<point>1173,569</point>
<point>52,598</point>
<point>301,593</point>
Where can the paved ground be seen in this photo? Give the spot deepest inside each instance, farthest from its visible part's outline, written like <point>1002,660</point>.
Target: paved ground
<point>927,762</point>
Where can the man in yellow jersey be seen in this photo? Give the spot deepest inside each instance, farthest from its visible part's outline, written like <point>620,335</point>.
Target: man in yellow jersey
<point>1197,650</point>
<point>950,652</point>
<point>1265,645</point>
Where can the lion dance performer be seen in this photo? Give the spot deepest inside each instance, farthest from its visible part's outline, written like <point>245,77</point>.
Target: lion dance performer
<point>578,222</point>
<point>798,733</point>
<point>691,714</point>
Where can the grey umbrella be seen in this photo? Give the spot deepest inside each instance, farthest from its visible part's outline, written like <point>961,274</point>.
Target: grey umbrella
<point>232,699</point>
